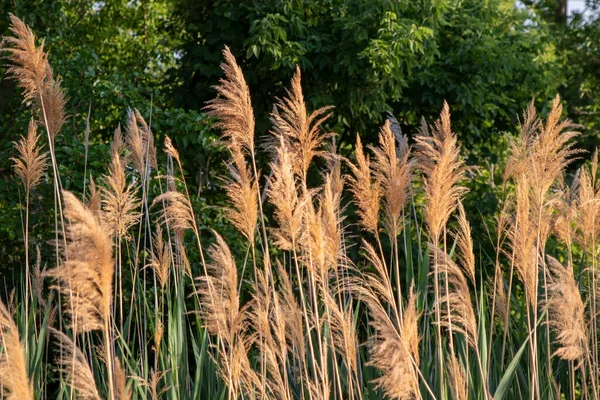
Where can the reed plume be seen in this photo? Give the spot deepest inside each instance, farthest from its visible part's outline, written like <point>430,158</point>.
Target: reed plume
<point>121,380</point>
<point>178,213</point>
<point>393,169</point>
<point>455,303</point>
<point>438,157</point>
<point>94,199</point>
<point>283,195</point>
<point>29,166</point>
<point>568,215</point>
<point>140,143</point>
<point>292,312</point>
<point>464,242</point>
<point>119,200</point>
<point>343,332</point>
<point>86,275</point>
<point>235,118</point>
<point>73,364</point>
<point>32,162</point>
<point>225,318</point>
<point>160,258</point>
<point>366,191</point>
<point>302,131</point>
<point>14,381</point>
<point>170,149</point>
<point>242,191</point>
<point>566,312</point>
<point>233,109</point>
<point>395,350</point>
<point>266,316</point>
<point>32,71</point>
<point>457,380</point>
<point>523,241</point>
<point>588,203</point>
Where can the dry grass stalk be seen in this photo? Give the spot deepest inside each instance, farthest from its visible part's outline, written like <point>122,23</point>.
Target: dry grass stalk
<point>455,304</point>
<point>233,108</point>
<point>588,203</point>
<point>464,242</point>
<point>242,191</point>
<point>283,195</point>
<point>34,74</point>
<point>94,200</point>
<point>121,380</point>
<point>457,380</point>
<point>343,332</point>
<point>367,193</point>
<point>178,213</point>
<point>14,382</point>
<point>74,365</point>
<point>395,350</point>
<point>393,169</point>
<point>566,311</point>
<point>31,163</point>
<point>438,157</point>
<point>160,259</point>
<point>140,142</point>
<point>300,129</point>
<point>119,200</point>
<point>170,149</point>
<point>523,238</point>
<point>225,318</point>
<point>86,275</point>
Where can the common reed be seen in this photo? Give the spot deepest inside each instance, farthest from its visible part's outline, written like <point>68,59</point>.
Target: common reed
<point>343,295</point>
<point>85,277</point>
<point>77,369</point>
<point>14,381</point>
<point>30,167</point>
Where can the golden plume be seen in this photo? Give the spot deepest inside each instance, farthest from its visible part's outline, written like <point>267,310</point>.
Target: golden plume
<point>74,365</point>
<point>31,163</point>
<point>301,131</point>
<point>14,381</point>
<point>33,73</point>
<point>438,156</point>
<point>86,275</point>
<point>392,168</point>
<point>367,193</point>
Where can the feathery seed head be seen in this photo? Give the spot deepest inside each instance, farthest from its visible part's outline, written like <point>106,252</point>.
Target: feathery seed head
<point>31,163</point>
<point>367,193</point>
<point>438,157</point>
<point>85,277</point>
